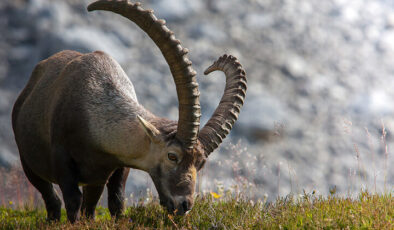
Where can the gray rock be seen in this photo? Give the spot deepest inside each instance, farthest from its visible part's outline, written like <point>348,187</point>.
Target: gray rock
<point>175,9</point>
<point>260,115</point>
<point>7,158</point>
<point>319,72</point>
<point>208,32</point>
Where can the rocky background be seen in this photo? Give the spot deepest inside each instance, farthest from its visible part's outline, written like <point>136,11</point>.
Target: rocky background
<point>321,80</point>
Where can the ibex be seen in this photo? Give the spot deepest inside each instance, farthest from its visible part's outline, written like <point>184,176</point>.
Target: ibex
<point>78,123</point>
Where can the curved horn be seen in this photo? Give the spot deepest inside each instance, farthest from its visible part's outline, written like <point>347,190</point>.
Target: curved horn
<point>225,115</point>
<point>175,55</point>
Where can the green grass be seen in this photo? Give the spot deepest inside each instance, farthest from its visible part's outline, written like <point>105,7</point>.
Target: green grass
<point>305,212</point>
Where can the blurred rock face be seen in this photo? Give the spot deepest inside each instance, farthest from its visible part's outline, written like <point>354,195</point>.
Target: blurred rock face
<point>320,81</point>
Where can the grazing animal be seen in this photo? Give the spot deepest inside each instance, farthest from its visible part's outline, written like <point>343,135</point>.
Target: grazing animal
<point>78,123</point>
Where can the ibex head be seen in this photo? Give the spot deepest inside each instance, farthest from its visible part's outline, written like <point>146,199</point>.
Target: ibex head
<point>180,148</point>
<point>175,167</point>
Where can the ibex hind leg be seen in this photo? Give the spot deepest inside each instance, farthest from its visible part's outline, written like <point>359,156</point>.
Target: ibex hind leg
<point>51,199</point>
<point>91,196</point>
<point>116,191</point>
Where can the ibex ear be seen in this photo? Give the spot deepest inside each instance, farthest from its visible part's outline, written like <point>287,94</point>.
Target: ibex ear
<point>149,129</point>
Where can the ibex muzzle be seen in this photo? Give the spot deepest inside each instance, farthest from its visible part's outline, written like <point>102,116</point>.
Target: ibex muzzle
<point>78,122</point>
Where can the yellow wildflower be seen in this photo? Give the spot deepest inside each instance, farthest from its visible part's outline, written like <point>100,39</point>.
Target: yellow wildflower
<point>215,195</point>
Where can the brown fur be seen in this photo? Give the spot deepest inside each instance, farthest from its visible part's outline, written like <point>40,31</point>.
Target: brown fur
<point>75,123</point>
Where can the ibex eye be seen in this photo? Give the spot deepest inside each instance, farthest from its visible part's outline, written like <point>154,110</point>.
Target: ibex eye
<point>172,157</point>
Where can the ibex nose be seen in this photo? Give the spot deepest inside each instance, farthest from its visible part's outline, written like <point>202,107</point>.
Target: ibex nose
<point>185,207</point>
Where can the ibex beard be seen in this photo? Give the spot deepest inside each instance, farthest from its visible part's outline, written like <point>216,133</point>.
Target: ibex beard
<point>78,122</point>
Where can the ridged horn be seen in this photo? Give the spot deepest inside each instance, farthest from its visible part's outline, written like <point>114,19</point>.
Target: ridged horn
<point>225,115</point>
<point>175,55</point>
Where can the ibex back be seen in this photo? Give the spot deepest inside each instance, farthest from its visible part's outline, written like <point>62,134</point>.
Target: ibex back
<point>78,122</point>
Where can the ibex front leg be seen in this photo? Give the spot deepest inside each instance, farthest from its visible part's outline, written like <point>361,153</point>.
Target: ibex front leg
<point>91,195</point>
<point>116,190</point>
<point>67,177</point>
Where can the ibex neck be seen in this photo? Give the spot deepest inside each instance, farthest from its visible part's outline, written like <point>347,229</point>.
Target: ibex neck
<point>116,131</point>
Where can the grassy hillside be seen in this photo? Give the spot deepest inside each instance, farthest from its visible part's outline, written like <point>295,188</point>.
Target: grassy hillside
<point>231,212</point>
